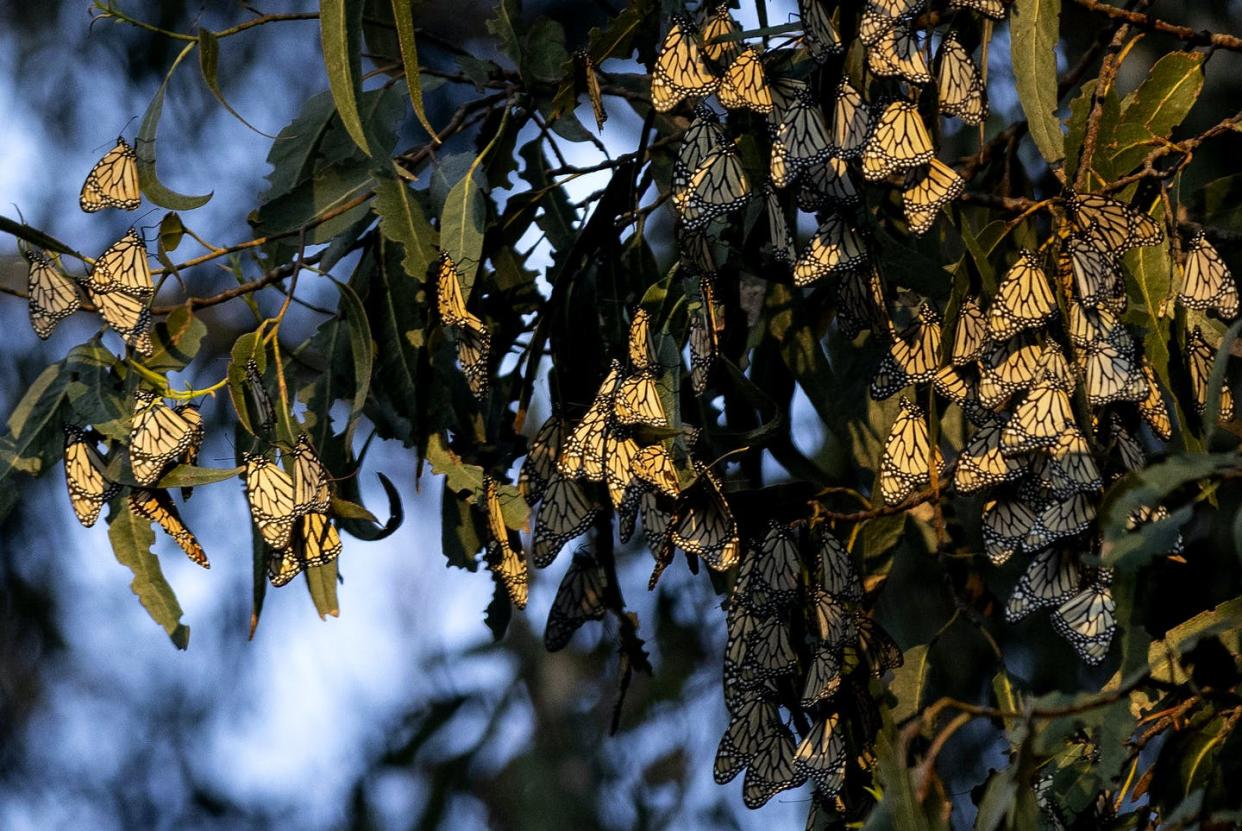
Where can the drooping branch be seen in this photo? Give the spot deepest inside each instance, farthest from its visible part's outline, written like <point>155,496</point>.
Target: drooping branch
<point>1150,23</point>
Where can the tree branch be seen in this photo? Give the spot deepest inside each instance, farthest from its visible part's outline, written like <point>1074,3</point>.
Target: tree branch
<point>1149,23</point>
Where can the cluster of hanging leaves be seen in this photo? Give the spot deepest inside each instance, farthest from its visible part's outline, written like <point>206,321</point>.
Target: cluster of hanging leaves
<point>1022,384</point>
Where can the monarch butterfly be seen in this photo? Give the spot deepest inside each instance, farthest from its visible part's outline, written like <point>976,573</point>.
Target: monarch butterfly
<point>679,69</point>
<point>53,296</point>
<point>981,463</point>
<point>851,122</point>
<point>269,490</point>
<point>157,506</point>
<point>158,437</point>
<point>771,768</point>
<point>860,297</point>
<point>619,452</point>
<point>88,486</point>
<point>779,565</point>
<point>877,647</point>
<point>653,465</point>
<point>882,15</point>
<point>1088,326</point>
<point>191,415</point>
<point>583,451</point>
<point>823,676</point>
<point>769,653</point>
<point>821,756</point>
<point>840,578</point>
<point>113,181</point>
<point>925,196</point>
<point>748,723</point>
<point>705,526</point>
<point>503,559</point>
<point>1006,522</point>
<point>916,349</point>
<point>835,247</point>
<point>1132,455</point>
<point>310,481</point>
<point>1087,620</point>
<point>970,338</point>
<point>314,542</point>
<point>1200,357</point>
<point>1096,277</point>
<point>540,463</point>
<point>566,511</point>
<point>994,9</point>
<point>951,384</point>
<point>1054,367</point>
<point>1039,420</point>
<point>123,267</point>
<point>265,413</point>
<point>834,619</point>
<point>1024,298</point>
<point>128,316</point>
<point>473,339</point>
<point>1209,283</point>
<point>820,33</point>
<point>1152,407</point>
<point>897,52</point>
<point>579,598</point>
<point>702,136</point>
<point>638,401</point>
<point>1060,518</point>
<point>744,85</point>
<point>703,343</point>
<point>1111,374</point>
<point>906,464</point>
<point>961,89</point>
<point>1072,466</point>
<point>802,134</point>
<point>590,74</point>
<point>900,141</point>
<point>1110,226</point>
<point>717,187</point>
<point>827,183</point>
<point>888,379</point>
<point>718,24</point>
<point>1051,578</point>
<point>1006,368</point>
<point>778,229</point>
<point>657,524</point>
<point>640,340</point>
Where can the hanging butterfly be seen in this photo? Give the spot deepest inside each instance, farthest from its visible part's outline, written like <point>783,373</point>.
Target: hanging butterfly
<point>1087,620</point>
<point>1039,420</point>
<point>834,248</point>
<point>123,267</point>
<point>898,53</point>
<point>851,122</point>
<point>1208,282</point>
<point>704,135</point>
<point>1112,227</point>
<point>579,598</point>
<point>906,464</point>
<point>653,465</point>
<point>1024,299</point>
<point>1097,279</point>
<point>1200,357</point>
<point>961,89</point>
<point>52,295</point>
<point>113,181</point>
<point>269,491</point>
<point>473,339</point>
<point>590,74</point>
<point>157,506</point>
<point>1052,577</point>
<point>1007,367</point>
<point>264,413</point>
<point>899,142</point>
<point>970,337</point>
<point>503,558</point>
<point>981,463</point>
<point>744,85</point>
<point>680,71</point>
<point>821,756</point>
<point>566,511</point>
<point>994,9</point>
<point>840,577</point>
<point>582,455</point>
<point>1152,407</point>
<point>1072,466</point>
<point>818,31</point>
<point>540,463</point>
<point>719,32</point>
<point>85,476</point>
<point>781,237</point>
<point>882,15</point>
<point>717,187</point>
<point>926,194</point>
<point>1059,519</point>
<point>705,526</point>
<point>158,437</point>
<point>802,135</point>
<point>311,489</point>
<point>620,449</point>
<point>827,184</point>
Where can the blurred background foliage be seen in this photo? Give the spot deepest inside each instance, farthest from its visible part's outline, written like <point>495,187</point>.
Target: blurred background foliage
<point>388,721</point>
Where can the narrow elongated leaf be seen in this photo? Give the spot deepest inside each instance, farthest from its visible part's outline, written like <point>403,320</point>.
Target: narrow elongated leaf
<point>190,476</point>
<point>461,226</point>
<point>361,348</point>
<point>208,65</point>
<point>148,178</point>
<point>321,581</point>
<point>33,440</point>
<point>403,15</point>
<point>177,339</point>
<point>364,525</point>
<point>340,29</point>
<point>131,539</point>
<point>1034,31</point>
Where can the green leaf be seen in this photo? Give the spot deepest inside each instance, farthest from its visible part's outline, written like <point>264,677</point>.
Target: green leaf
<point>461,226</point>
<point>96,393</point>
<point>177,339</point>
<point>460,537</point>
<point>397,307</point>
<point>899,808</point>
<point>1223,619</point>
<point>358,522</point>
<point>465,479</point>
<point>340,29</point>
<point>246,347</point>
<point>208,65</point>
<point>505,27</point>
<point>544,58</point>
<point>321,581</point>
<point>1034,27</point>
<point>401,220</point>
<point>33,440</point>
<point>293,152</point>
<point>191,476</point>
<point>131,539</point>
<point>1147,541</point>
<point>1110,115</point>
<point>144,148</point>
<point>171,232</point>
<point>1166,96</point>
<point>330,190</point>
<point>361,348</point>
<point>1211,413</point>
<point>908,683</point>
<point>403,16</point>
